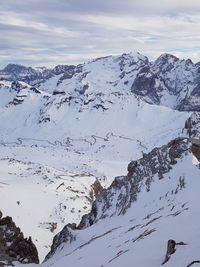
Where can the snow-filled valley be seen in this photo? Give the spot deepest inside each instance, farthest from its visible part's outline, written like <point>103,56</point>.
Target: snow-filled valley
<point>67,133</point>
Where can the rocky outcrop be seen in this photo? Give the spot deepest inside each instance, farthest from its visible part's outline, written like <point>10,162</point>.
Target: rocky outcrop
<point>193,262</point>
<point>171,249</point>
<point>65,236</point>
<point>192,125</point>
<point>13,245</point>
<point>171,244</point>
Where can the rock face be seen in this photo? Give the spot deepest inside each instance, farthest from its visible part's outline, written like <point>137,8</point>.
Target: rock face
<point>171,82</point>
<point>13,245</point>
<point>65,236</point>
<point>192,125</point>
<point>171,244</point>
<point>171,248</point>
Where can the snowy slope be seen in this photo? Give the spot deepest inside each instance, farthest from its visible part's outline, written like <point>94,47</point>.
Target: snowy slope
<point>165,208</point>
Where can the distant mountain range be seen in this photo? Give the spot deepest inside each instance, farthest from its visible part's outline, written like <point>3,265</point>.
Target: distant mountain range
<point>167,81</point>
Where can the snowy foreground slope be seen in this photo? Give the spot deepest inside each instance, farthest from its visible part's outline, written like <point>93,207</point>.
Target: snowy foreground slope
<point>131,221</point>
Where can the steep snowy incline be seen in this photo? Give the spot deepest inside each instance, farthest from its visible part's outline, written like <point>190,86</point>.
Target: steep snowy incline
<point>132,220</point>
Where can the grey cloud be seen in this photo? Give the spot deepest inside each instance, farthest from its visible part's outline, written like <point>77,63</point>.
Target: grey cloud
<point>104,6</point>
<point>68,31</point>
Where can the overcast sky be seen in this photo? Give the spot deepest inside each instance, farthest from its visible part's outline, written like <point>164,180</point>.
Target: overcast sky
<point>50,32</point>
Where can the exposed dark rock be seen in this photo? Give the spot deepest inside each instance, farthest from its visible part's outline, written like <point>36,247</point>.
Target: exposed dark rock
<point>16,101</point>
<point>171,249</point>
<point>144,85</point>
<point>165,63</point>
<point>192,125</point>
<point>35,90</point>
<point>16,86</point>
<point>171,244</point>
<point>66,235</point>
<point>193,262</point>
<point>97,188</point>
<point>67,69</point>
<point>58,92</point>
<point>13,245</point>
<point>195,148</point>
<point>166,76</point>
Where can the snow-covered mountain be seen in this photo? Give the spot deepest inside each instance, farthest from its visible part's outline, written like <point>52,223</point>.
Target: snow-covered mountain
<point>167,81</point>
<point>66,133</point>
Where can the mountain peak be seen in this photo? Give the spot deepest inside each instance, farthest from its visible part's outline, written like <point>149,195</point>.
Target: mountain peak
<point>166,59</point>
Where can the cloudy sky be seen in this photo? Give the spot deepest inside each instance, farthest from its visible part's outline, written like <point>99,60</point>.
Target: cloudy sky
<point>50,32</point>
